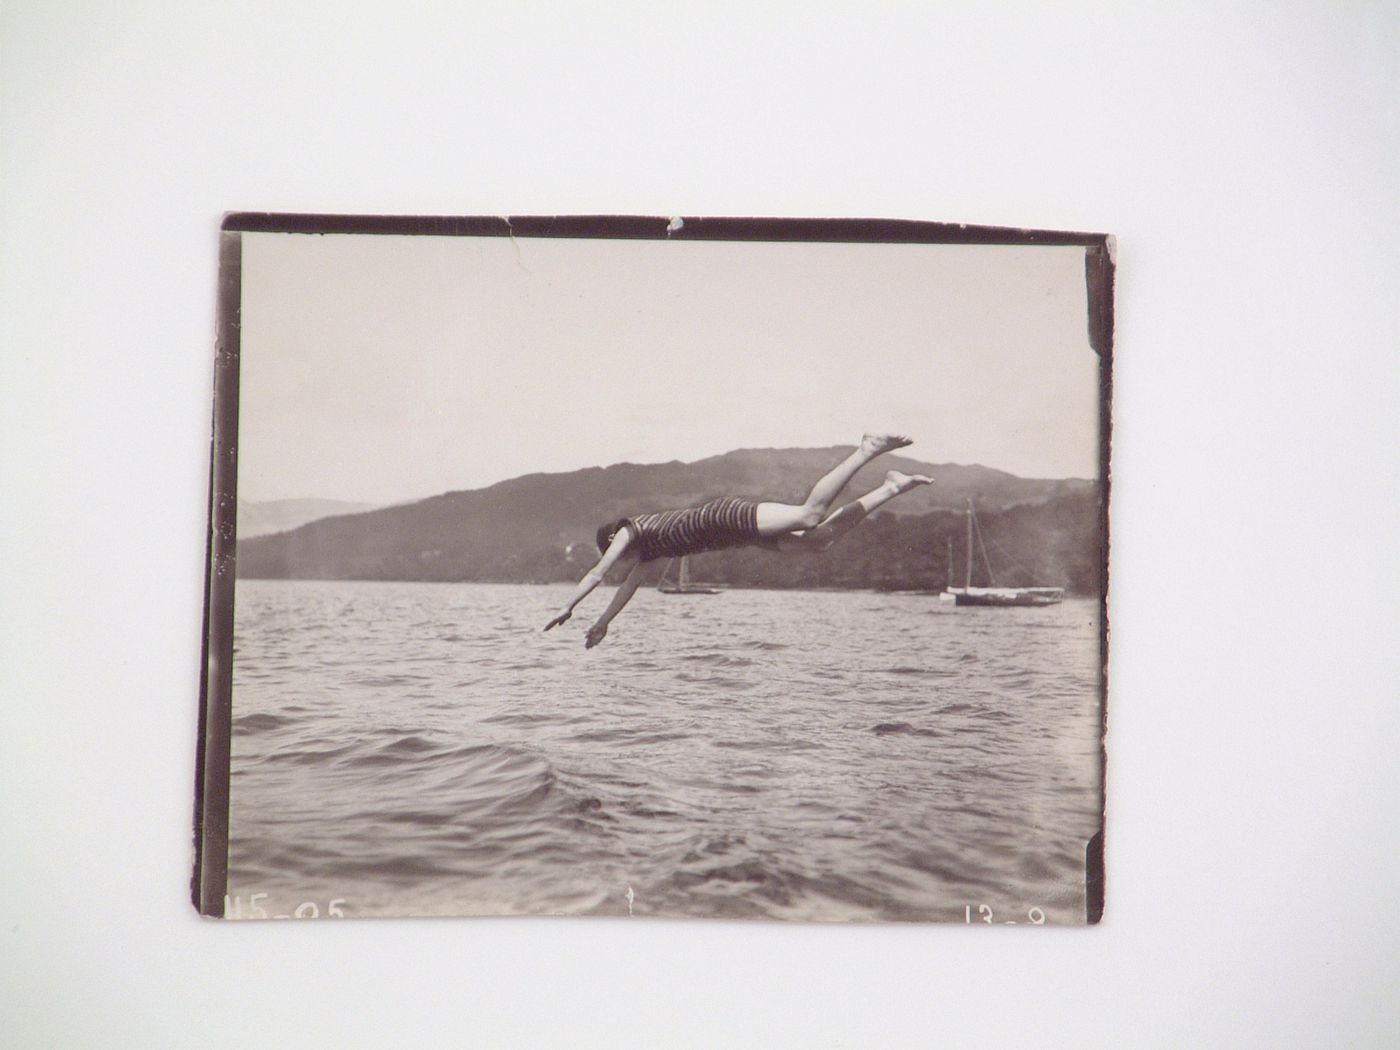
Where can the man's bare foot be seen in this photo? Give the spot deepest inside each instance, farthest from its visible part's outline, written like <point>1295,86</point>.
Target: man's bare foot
<point>874,444</point>
<point>903,482</point>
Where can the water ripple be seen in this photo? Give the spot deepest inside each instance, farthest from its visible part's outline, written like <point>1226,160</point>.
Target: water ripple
<point>425,749</point>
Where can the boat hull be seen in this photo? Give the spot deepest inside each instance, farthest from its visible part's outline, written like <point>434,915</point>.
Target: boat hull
<point>1006,597</point>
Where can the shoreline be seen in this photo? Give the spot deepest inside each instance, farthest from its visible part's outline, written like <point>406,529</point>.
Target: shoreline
<point>913,592</point>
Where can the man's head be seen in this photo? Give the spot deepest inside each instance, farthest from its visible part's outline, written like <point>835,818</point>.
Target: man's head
<point>605,534</point>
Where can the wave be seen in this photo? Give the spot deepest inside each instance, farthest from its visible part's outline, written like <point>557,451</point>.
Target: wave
<point>718,681</point>
<point>929,672</point>
<point>408,745</point>
<point>309,756</point>
<point>719,660</point>
<point>626,735</point>
<point>518,718</point>
<point>889,728</point>
<point>387,680</point>
<point>956,709</point>
<point>260,723</point>
<point>394,753</point>
<point>398,868</point>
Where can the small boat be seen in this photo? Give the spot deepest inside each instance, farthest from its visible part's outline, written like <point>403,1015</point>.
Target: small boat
<point>682,584</point>
<point>993,596</point>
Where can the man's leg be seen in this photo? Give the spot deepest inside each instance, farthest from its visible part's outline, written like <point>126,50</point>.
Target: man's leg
<point>823,535</point>
<point>776,518</point>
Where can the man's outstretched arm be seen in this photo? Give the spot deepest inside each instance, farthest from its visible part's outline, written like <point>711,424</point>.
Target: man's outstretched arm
<point>620,598</point>
<point>594,576</point>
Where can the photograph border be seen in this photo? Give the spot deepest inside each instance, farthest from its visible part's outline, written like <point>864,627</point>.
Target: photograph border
<point>213,750</point>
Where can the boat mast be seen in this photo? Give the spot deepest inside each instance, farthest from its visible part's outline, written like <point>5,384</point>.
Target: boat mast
<point>968,584</point>
<point>950,564</point>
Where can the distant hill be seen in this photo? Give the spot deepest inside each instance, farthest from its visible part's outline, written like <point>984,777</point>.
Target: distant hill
<point>261,519</point>
<point>539,527</point>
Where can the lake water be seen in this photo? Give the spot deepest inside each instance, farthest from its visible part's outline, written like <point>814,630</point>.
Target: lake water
<point>413,749</point>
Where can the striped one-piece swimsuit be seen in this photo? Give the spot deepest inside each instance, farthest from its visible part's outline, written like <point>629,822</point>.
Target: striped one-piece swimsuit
<point>725,522</point>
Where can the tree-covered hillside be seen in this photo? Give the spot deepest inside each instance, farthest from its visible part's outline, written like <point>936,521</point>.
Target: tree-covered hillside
<point>539,528</point>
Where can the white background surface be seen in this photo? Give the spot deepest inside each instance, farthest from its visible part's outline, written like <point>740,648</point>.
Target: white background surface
<point>1247,161</point>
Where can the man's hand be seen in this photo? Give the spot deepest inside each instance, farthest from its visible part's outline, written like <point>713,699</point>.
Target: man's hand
<point>560,618</point>
<point>596,634</point>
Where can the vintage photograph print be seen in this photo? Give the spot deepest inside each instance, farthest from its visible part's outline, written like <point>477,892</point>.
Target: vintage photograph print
<point>676,567</point>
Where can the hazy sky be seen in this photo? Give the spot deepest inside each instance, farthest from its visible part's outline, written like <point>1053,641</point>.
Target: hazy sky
<point>382,368</point>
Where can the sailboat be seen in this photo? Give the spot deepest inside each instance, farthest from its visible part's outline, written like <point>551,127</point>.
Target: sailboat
<point>682,584</point>
<point>993,596</point>
<point>948,595</point>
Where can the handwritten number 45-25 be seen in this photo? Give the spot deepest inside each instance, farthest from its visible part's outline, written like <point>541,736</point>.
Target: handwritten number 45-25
<point>984,914</point>
<point>233,909</point>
